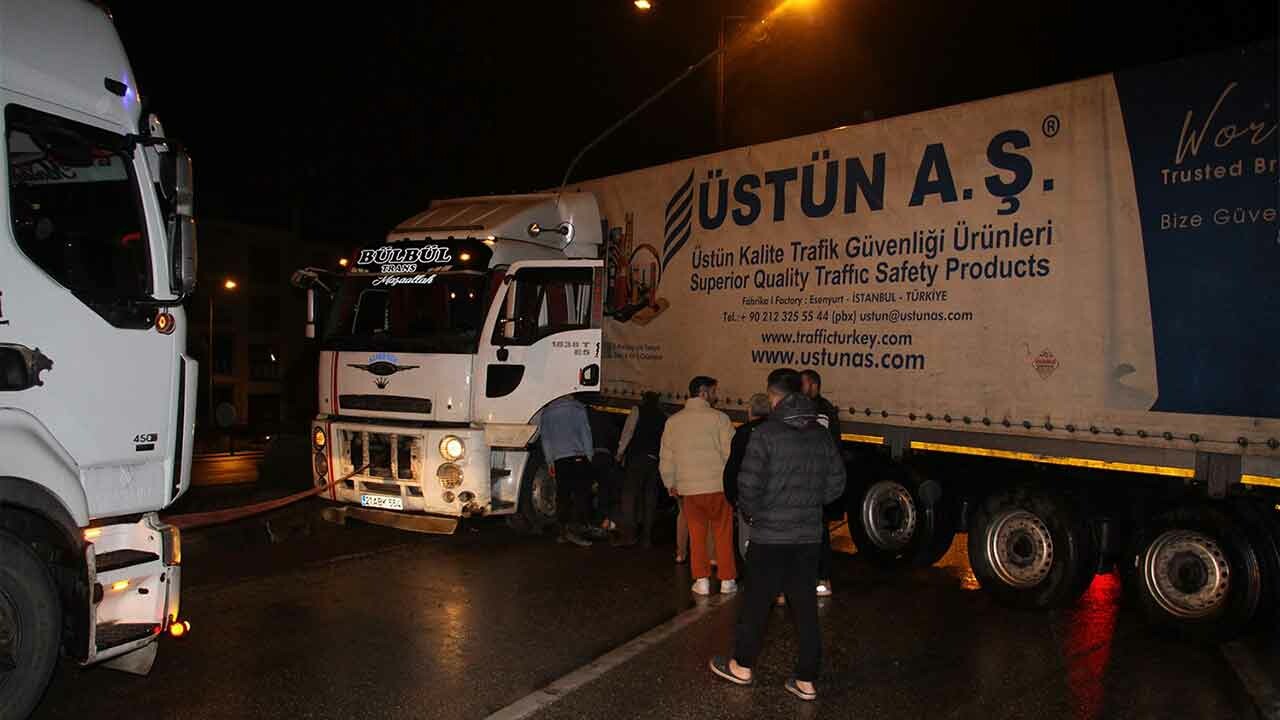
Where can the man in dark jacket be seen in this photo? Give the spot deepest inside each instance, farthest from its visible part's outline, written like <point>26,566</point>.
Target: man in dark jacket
<point>829,416</point>
<point>757,412</point>
<point>638,451</point>
<point>604,434</point>
<point>791,470</point>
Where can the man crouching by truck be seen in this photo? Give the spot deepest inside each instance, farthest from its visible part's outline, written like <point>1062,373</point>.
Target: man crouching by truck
<point>791,470</point>
<point>567,447</point>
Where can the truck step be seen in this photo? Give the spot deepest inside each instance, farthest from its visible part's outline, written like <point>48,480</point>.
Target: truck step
<point>120,559</point>
<point>111,635</point>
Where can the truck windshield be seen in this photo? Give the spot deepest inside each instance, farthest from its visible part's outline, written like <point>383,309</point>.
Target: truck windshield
<point>405,314</point>
<point>76,210</point>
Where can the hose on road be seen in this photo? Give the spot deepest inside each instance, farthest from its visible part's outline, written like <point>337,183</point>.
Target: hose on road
<point>189,521</point>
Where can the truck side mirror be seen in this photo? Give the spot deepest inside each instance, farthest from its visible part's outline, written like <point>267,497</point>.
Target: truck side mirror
<point>183,184</point>
<point>311,313</point>
<point>184,254</point>
<point>182,232</point>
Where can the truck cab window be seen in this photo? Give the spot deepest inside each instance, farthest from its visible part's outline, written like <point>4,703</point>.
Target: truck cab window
<point>545,301</point>
<point>429,314</point>
<point>76,211</point>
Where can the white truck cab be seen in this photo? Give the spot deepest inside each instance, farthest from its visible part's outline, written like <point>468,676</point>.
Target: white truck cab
<point>441,346</point>
<point>97,398</point>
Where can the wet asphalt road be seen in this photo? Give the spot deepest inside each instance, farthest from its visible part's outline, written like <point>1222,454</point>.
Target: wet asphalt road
<point>225,469</point>
<point>366,622</point>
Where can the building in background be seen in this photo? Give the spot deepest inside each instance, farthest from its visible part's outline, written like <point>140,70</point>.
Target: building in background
<point>262,365</point>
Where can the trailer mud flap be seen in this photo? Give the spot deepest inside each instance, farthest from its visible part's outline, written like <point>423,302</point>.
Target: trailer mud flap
<point>1217,471</point>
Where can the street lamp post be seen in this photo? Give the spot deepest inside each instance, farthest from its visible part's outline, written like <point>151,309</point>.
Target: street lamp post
<point>721,50</point>
<point>227,284</point>
<point>721,62</point>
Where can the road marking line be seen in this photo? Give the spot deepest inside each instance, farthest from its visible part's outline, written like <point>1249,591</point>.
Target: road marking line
<point>539,699</point>
<point>1260,688</point>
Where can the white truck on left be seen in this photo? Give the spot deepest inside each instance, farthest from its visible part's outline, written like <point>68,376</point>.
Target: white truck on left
<point>97,399</point>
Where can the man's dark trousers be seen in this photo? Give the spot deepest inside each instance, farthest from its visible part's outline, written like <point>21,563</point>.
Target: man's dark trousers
<point>640,498</point>
<point>775,569</point>
<point>573,491</point>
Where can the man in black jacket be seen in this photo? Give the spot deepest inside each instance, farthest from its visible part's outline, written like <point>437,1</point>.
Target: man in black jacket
<point>638,451</point>
<point>757,412</point>
<point>829,416</point>
<point>791,470</point>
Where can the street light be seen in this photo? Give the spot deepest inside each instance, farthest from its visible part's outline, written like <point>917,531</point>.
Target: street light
<point>721,62</point>
<point>343,262</point>
<point>228,285</point>
<point>722,50</point>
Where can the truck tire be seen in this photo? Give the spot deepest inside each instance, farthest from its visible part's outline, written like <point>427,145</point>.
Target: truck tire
<point>1264,536</point>
<point>1198,573</point>
<point>1032,549</point>
<point>30,628</point>
<point>901,522</point>
<point>537,508</point>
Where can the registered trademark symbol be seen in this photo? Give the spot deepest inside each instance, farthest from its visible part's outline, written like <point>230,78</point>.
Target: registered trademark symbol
<point>1051,125</point>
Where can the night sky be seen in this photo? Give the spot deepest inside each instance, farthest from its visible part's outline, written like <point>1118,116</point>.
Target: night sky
<point>343,119</point>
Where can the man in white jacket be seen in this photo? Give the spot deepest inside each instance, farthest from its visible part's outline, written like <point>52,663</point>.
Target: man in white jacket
<point>695,447</point>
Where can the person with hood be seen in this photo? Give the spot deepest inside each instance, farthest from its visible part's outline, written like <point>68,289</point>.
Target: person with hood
<point>790,471</point>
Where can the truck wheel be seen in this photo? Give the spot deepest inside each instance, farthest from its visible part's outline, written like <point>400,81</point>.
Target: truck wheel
<point>1031,549</point>
<point>30,628</point>
<point>537,509</point>
<point>1198,573</point>
<point>902,522</point>
<point>1264,536</point>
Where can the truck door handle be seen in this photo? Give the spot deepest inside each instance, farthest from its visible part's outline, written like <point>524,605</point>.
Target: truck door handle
<point>20,367</point>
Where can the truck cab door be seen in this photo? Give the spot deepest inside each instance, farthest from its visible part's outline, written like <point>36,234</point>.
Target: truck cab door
<point>541,339</point>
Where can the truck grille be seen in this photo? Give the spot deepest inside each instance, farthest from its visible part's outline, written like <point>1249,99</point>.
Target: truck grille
<point>388,455</point>
<point>385,403</point>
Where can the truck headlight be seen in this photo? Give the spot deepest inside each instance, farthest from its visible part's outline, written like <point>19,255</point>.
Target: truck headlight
<point>319,439</point>
<point>452,448</point>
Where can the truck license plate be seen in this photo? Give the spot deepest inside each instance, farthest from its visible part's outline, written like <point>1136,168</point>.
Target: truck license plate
<point>387,502</point>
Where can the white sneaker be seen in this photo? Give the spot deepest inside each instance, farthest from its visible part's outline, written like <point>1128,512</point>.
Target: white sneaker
<point>702,586</point>
<point>824,588</point>
<point>728,587</point>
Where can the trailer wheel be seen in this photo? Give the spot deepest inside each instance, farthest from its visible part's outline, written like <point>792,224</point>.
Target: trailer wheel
<point>537,508</point>
<point>1198,573</point>
<point>1264,536</point>
<point>30,628</point>
<point>901,522</point>
<point>1031,549</point>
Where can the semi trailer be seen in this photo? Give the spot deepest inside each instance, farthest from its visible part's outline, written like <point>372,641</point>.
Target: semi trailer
<point>1048,319</point>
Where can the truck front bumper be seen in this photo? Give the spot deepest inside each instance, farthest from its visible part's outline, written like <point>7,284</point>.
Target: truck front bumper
<point>405,469</point>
